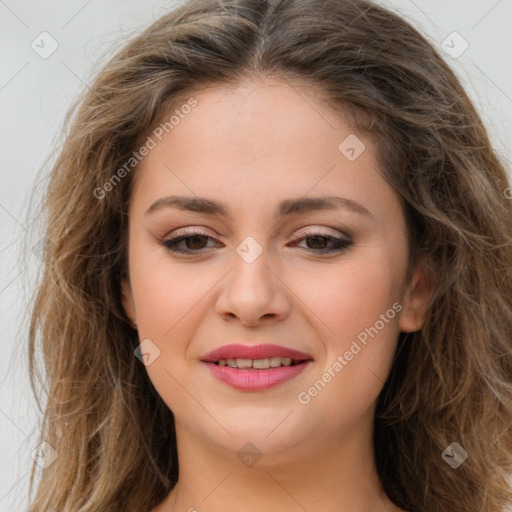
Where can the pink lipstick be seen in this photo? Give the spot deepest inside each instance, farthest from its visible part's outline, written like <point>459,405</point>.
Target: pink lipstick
<point>255,367</point>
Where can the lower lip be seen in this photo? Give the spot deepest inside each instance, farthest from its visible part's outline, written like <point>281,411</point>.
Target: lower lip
<point>255,380</point>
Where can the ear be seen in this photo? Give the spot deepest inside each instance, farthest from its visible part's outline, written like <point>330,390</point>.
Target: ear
<point>415,301</point>
<point>127,301</point>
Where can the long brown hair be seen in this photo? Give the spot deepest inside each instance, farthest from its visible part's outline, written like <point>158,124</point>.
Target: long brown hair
<point>451,381</point>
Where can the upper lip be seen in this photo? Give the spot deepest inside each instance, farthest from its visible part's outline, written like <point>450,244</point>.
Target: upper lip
<point>238,351</point>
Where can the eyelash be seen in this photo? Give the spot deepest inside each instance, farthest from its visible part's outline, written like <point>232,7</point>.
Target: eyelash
<point>340,244</point>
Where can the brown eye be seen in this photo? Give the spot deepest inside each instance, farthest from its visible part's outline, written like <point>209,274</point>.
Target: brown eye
<point>319,243</point>
<point>194,242</point>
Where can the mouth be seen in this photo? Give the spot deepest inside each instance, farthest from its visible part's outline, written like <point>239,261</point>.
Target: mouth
<point>256,367</point>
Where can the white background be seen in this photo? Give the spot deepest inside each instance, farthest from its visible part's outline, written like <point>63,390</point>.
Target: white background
<point>35,94</point>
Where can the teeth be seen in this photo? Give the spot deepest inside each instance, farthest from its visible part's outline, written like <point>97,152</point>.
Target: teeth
<point>262,363</point>
<point>257,364</point>
<point>275,362</point>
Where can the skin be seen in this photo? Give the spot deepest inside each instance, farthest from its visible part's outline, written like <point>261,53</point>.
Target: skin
<point>251,146</point>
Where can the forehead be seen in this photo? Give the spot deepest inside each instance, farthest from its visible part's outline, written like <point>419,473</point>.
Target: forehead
<point>260,143</point>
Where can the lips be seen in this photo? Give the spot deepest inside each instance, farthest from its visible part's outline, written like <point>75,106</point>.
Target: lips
<point>255,368</point>
<point>237,351</point>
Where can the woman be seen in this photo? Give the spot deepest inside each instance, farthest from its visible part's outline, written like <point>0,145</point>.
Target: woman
<point>279,274</point>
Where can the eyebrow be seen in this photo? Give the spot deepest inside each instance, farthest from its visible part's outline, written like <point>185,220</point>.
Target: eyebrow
<point>287,207</point>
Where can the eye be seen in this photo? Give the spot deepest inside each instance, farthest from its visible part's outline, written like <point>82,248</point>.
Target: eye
<point>194,242</point>
<point>192,238</point>
<point>319,240</point>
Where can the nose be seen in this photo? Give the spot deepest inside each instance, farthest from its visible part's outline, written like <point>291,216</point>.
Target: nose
<point>253,293</point>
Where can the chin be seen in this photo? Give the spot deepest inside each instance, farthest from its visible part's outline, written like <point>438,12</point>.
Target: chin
<point>267,436</point>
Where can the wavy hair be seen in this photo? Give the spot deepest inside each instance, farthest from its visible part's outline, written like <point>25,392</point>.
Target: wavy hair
<point>451,381</point>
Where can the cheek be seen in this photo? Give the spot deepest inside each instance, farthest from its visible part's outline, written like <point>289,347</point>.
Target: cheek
<point>348,297</point>
<point>169,299</point>
<point>358,306</point>
<point>351,378</point>
<point>170,306</point>
<point>168,293</point>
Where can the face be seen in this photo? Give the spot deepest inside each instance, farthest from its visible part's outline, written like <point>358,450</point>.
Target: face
<point>327,282</point>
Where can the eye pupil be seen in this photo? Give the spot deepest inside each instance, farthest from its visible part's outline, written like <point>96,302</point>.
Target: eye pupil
<point>317,238</point>
<point>195,238</point>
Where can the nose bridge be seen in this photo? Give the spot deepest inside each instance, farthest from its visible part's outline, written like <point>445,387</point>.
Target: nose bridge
<point>251,271</point>
<point>252,290</point>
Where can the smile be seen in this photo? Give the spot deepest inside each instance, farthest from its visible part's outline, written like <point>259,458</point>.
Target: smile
<point>255,367</point>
